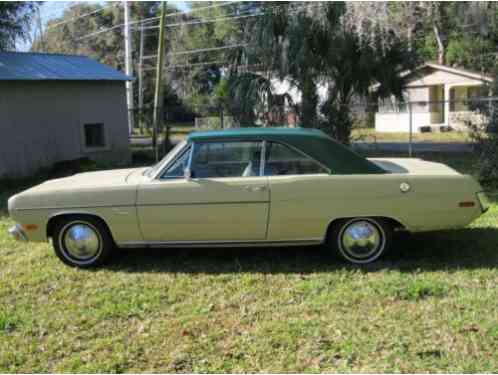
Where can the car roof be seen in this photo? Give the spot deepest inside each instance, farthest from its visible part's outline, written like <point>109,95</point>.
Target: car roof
<point>256,132</point>
<point>313,142</point>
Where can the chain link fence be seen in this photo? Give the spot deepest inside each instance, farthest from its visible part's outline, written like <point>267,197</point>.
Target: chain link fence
<point>390,126</point>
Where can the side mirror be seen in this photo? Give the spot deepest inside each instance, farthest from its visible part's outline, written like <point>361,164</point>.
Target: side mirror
<point>187,173</point>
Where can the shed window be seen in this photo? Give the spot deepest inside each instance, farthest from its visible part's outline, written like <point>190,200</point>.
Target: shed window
<point>94,135</point>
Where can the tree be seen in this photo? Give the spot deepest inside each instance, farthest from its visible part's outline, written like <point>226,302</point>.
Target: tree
<point>461,34</point>
<point>71,34</point>
<point>15,20</point>
<point>331,45</point>
<point>197,80</point>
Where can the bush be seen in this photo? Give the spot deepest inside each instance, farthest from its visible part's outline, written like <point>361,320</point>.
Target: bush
<point>484,134</point>
<point>485,137</point>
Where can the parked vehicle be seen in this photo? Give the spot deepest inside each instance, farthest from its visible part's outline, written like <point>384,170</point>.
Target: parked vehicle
<point>248,187</point>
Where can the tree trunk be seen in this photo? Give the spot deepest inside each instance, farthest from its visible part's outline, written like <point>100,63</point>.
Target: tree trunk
<point>338,114</point>
<point>343,124</point>
<point>440,44</point>
<point>309,102</point>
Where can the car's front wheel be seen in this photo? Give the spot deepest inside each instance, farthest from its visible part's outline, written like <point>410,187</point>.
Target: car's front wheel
<point>82,241</point>
<point>360,240</point>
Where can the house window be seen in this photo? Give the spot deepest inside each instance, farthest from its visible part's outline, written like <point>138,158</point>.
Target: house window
<point>94,135</point>
<point>463,98</point>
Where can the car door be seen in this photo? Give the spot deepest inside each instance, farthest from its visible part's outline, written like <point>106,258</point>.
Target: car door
<point>299,188</point>
<point>225,199</point>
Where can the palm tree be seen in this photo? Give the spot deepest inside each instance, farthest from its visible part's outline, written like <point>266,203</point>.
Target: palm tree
<point>310,44</point>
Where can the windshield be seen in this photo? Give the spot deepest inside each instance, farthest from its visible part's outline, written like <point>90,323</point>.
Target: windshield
<point>169,156</point>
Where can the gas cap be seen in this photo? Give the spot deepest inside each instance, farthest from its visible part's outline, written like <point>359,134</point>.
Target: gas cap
<point>404,187</point>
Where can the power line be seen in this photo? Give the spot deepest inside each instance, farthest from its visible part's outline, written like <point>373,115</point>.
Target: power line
<point>80,16</point>
<point>172,67</point>
<point>213,48</point>
<point>233,16</point>
<point>154,18</point>
<point>239,14</point>
<point>188,52</point>
<point>199,22</point>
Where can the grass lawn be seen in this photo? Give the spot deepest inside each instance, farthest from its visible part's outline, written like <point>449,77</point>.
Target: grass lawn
<point>370,135</point>
<point>431,305</point>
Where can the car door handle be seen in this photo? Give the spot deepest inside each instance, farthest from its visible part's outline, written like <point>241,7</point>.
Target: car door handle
<point>255,188</point>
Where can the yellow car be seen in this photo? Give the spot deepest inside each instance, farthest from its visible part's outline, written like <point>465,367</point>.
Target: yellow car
<point>247,187</point>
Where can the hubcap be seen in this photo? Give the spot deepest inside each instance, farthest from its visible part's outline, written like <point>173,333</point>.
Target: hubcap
<point>82,241</point>
<point>361,239</point>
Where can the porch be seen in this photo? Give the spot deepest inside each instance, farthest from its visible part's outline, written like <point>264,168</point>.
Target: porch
<point>440,107</point>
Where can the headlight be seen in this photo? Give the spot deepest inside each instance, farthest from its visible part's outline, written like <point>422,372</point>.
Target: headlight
<point>483,200</point>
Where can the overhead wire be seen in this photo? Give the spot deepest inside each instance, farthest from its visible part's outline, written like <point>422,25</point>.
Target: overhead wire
<point>154,18</point>
<point>80,16</point>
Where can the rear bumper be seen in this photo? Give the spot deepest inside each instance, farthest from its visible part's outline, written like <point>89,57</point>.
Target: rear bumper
<point>17,232</point>
<point>483,201</point>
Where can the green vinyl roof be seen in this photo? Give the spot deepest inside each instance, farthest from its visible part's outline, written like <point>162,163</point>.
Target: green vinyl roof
<point>313,142</point>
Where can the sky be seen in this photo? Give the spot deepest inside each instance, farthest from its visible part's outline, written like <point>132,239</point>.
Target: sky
<point>54,9</point>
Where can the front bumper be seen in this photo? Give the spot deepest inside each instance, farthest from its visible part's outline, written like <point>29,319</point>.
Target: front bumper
<point>17,232</point>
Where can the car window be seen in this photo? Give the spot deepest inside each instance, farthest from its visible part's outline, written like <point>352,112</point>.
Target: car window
<point>226,159</point>
<point>177,169</point>
<point>283,160</point>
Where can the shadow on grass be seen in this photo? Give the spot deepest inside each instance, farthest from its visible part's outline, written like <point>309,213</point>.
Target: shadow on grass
<point>472,248</point>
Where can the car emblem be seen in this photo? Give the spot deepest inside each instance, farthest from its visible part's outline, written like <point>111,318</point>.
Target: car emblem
<point>404,187</point>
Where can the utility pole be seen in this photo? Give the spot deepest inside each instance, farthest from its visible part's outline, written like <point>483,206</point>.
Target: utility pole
<point>39,26</point>
<point>158,94</point>
<point>128,66</point>
<point>140,81</point>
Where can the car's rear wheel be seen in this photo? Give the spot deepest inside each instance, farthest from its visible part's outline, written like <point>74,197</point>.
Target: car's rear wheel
<point>82,242</point>
<point>360,240</point>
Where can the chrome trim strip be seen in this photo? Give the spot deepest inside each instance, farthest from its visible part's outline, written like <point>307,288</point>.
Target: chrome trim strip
<point>78,207</point>
<point>189,163</point>
<point>200,203</point>
<point>262,159</point>
<point>135,206</point>
<point>191,244</point>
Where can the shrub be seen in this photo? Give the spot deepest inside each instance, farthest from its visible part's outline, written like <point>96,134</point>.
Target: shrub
<point>485,137</point>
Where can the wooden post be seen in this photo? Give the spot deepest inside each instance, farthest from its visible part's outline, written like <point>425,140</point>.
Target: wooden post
<point>158,94</point>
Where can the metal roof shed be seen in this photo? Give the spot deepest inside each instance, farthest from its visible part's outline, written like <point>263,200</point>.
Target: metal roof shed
<point>56,107</point>
<point>57,67</point>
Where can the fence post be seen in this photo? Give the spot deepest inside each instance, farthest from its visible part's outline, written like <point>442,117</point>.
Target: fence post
<point>222,118</point>
<point>410,139</point>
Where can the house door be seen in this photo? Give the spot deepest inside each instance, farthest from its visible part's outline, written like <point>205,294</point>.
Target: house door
<point>436,104</point>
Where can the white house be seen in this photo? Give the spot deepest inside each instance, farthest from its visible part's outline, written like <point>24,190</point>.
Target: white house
<point>438,95</point>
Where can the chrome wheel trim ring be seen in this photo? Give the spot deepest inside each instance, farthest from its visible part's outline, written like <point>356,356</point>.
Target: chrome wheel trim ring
<point>80,242</point>
<point>361,240</point>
